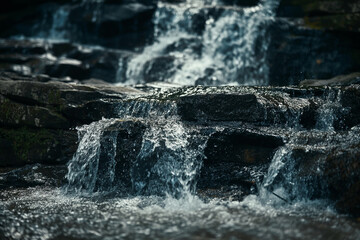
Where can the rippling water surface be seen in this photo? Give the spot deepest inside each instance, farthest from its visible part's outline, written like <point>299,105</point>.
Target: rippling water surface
<point>46,213</point>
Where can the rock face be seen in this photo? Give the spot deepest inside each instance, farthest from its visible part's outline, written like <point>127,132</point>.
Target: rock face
<point>315,39</point>
<point>36,118</point>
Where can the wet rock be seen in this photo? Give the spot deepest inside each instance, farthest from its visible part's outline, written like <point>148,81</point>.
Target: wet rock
<point>28,145</point>
<point>61,60</point>
<point>56,104</point>
<point>159,69</point>
<point>343,174</point>
<point>236,159</point>
<point>353,78</point>
<point>309,54</point>
<point>255,107</point>
<point>246,148</point>
<point>243,3</point>
<point>294,8</point>
<point>350,99</point>
<point>185,44</point>
<point>128,135</point>
<point>123,26</point>
<point>325,31</point>
<point>17,114</point>
<point>32,176</point>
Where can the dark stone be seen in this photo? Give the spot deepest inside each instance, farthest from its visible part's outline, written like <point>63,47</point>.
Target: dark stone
<point>350,99</point>
<point>220,107</point>
<point>128,136</point>
<point>159,69</point>
<point>117,26</point>
<point>236,159</point>
<point>185,44</point>
<point>28,145</point>
<point>309,54</point>
<point>32,176</point>
<point>256,107</point>
<point>243,3</point>
<point>59,60</point>
<point>301,8</point>
<point>240,146</point>
<point>343,175</point>
<point>353,78</point>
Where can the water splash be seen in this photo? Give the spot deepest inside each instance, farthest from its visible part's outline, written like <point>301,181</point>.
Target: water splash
<point>329,112</point>
<point>169,160</point>
<point>167,163</point>
<point>83,168</point>
<point>202,43</point>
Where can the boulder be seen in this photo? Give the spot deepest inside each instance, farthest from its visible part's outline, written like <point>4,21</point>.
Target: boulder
<point>128,136</point>
<point>257,106</point>
<point>236,159</point>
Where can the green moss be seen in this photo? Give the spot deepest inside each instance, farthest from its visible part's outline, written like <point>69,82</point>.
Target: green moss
<point>27,141</point>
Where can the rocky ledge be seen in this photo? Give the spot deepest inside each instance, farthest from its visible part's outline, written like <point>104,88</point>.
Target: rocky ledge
<point>314,131</point>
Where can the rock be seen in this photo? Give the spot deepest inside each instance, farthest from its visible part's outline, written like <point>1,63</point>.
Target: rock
<point>128,135</point>
<point>159,69</point>
<point>32,176</point>
<point>353,78</point>
<point>238,159</point>
<point>61,60</point>
<point>17,114</point>
<point>243,3</point>
<point>296,8</point>
<point>257,107</point>
<point>322,165</point>
<point>309,54</point>
<point>246,148</point>
<point>350,100</point>
<point>342,172</point>
<point>57,105</point>
<point>123,26</point>
<point>28,145</point>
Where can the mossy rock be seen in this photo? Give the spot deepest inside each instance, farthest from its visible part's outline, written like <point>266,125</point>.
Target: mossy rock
<point>28,145</point>
<point>17,114</point>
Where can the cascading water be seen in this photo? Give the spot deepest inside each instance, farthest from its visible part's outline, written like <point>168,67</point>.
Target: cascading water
<point>167,164</point>
<point>83,169</point>
<point>202,42</point>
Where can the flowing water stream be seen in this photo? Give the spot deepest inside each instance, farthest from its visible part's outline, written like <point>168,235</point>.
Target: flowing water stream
<point>207,43</point>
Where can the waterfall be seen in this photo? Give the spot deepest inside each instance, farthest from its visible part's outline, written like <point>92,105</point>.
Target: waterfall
<point>329,112</point>
<point>167,163</point>
<point>205,43</point>
<point>175,160</point>
<point>60,27</point>
<point>83,169</point>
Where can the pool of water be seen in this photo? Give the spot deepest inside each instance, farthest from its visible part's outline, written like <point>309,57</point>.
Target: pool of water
<point>48,213</point>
